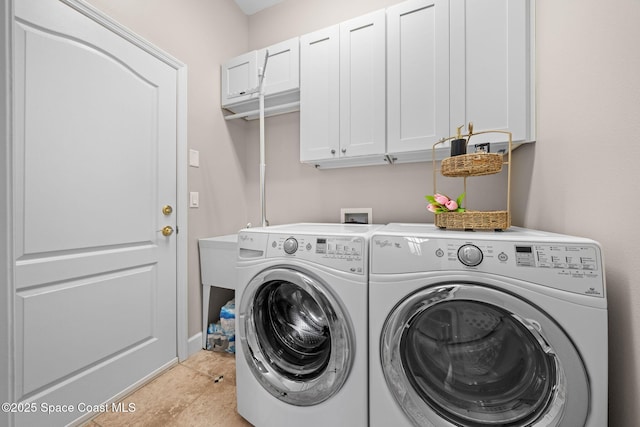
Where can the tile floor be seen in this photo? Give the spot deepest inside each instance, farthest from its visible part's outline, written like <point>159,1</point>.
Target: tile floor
<point>185,395</point>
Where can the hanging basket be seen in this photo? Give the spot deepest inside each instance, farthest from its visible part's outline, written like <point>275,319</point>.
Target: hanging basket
<point>473,220</point>
<point>475,164</point>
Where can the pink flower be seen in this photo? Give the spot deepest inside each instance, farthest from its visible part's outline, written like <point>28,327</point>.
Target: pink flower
<point>432,208</point>
<point>443,200</point>
<point>451,205</point>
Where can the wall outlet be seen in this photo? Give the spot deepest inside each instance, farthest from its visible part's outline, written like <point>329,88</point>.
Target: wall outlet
<point>356,216</point>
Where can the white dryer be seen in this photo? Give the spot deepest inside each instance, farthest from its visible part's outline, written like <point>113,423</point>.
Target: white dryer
<point>302,325</point>
<point>486,328</point>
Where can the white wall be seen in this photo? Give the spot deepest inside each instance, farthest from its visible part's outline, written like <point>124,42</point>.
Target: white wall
<point>582,175</point>
<point>201,34</point>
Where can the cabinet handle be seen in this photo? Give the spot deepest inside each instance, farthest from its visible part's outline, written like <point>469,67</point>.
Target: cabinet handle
<point>344,150</point>
<point>333,151</point>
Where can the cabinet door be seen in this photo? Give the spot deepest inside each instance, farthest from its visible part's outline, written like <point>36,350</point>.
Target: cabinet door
<point>319,95</point>
<point>239,76</point>
<point>283,67</point>
<point>362,85</point>
<point>417,74</point>
<point>490,66</point>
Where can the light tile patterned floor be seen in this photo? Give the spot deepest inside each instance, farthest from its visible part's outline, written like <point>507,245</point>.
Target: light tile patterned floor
<point>185,395</point>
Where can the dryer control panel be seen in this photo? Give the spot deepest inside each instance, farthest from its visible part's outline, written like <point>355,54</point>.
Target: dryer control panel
<point>567,266</point>
<point>342,253</point>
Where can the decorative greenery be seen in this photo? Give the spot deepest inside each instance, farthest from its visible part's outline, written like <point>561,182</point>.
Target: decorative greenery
<point>439,203</point>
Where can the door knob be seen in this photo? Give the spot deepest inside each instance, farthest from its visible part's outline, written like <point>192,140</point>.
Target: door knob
<point>167,209</point>
<point>167,231</point>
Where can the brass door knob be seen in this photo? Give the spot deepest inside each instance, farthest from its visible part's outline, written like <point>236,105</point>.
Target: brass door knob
<point>167,231</point>
<point>167,209</point>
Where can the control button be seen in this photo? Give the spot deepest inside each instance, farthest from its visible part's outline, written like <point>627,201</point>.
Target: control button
<point>470,255</point>
<point>274,244</point>
<point>290,245</point>
<point>439,253</point>
<point>502,256</point>
<point>308,246</point>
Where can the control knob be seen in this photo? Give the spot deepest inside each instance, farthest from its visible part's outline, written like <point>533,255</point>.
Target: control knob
<point>470,255</point>
<point>290,245</point>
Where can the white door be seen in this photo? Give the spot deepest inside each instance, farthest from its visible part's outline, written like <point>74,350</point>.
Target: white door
<point>417,74</point>
<point>239,78</point>
<point>94,150</point>
<point>491,67</point>
<point>362,85</point>
<point>320,95</point>
<point>283,67</point>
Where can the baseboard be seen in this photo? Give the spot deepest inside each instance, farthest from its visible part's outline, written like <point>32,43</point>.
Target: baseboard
<point>194,344</point>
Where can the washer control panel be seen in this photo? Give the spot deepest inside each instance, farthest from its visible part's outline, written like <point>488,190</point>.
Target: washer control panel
<point>573,267</point>
<point>342,253</point>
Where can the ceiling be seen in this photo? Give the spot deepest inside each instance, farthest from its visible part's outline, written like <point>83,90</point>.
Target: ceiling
<point>249,7</point>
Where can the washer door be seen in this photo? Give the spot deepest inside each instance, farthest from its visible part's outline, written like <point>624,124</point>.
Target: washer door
<point>477,356</point>
<point>295,336</point>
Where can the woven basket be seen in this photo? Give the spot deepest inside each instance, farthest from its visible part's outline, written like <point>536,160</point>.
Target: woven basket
<point>475,164</point>
<point>474,220</point>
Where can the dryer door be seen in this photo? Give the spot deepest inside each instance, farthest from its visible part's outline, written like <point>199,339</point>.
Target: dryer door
<point>478,356</point>
<point>295,335</point>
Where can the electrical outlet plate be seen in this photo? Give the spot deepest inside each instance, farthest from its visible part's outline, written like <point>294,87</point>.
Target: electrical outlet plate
<point>194,158</point>
<point>194,199</point>
<point>356,216</point>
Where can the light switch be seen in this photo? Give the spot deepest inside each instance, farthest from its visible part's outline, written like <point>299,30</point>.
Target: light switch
<point>194,158</point>
<point>194,199</point>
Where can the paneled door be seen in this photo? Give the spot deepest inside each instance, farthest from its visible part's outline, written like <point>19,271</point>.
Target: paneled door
<point>94,196</point>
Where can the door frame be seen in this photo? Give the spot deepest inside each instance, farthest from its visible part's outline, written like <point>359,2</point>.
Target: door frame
<point>7,292</point>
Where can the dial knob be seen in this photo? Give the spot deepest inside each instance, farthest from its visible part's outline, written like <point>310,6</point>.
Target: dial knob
<point>290,245</point>
<point>470,255</point>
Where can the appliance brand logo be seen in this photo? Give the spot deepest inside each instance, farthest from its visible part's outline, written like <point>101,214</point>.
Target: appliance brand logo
<point>385,243</point>
<point>246,238</point>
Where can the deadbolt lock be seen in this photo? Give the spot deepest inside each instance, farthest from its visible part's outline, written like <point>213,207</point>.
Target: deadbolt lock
<point>167,231</point>
<point>167,209</point>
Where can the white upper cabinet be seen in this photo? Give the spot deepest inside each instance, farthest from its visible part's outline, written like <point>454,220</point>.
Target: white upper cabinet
<point>386,86</point>
<point>281,82</point>
<point>283,67</point>
<point>491,67</point>
<point>342,93</point>
<point>239,77</point>
<point>417,76</point>
<point>320,95</point>
<point>362,85</point>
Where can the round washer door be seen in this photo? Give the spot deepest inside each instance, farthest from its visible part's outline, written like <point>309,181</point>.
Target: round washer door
<point>477,356</point>
<point>295,336</point>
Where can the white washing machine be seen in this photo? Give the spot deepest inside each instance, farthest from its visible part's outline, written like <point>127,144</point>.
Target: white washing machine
<point>301,327</point>
<point>486,328</point>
